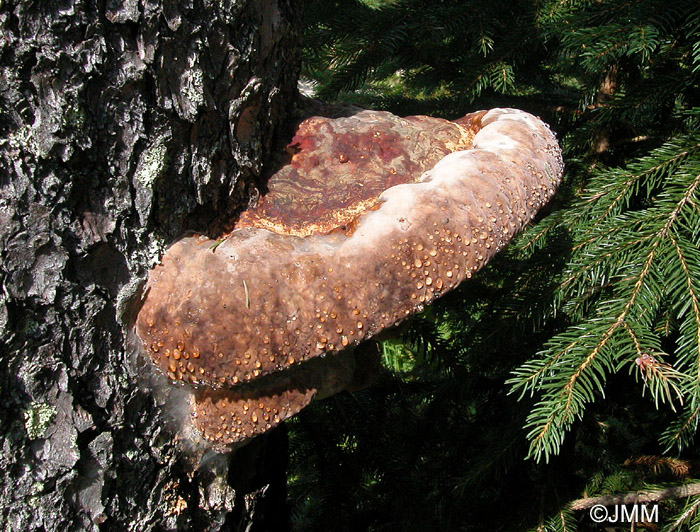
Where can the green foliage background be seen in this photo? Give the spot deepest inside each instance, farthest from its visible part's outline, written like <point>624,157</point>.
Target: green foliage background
<point>570,366</point>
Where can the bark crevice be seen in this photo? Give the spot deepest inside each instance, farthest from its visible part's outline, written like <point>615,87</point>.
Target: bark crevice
<point>116,136</point>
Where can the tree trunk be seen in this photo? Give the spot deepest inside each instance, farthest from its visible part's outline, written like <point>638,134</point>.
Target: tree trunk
<point>123,124</point>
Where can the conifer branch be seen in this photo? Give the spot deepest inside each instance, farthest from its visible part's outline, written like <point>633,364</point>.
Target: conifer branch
<point>687,513</point>
<point>624,188</point>
<point>556,412</point>
<point>695,301</point>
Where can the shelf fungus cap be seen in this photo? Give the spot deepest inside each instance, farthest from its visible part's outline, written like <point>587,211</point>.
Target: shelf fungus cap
<point>370,218</point>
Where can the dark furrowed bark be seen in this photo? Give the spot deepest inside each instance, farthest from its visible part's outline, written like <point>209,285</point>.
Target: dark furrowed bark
<point>122,125</point>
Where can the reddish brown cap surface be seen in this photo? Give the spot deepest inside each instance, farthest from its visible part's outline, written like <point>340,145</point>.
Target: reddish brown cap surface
<point>339,167</point>
<point>323,262</point>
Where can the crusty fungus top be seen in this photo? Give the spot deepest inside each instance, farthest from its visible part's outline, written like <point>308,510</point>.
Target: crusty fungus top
<point>338,168</point>
<point>372,218</point>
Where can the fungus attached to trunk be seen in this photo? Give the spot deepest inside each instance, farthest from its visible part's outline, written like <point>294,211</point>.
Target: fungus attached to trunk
<point>372,217</point>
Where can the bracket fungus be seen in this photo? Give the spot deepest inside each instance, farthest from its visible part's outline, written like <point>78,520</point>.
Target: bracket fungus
<point>371,218</point>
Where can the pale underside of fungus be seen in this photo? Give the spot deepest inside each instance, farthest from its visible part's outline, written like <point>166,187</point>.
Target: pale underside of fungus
<point>371,218</point>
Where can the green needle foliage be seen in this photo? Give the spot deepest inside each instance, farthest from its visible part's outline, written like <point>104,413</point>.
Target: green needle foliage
<point>579,346</point>
<point>630,286</point>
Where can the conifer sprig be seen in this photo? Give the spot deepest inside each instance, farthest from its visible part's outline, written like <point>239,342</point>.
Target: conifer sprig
<point>627,263</point>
